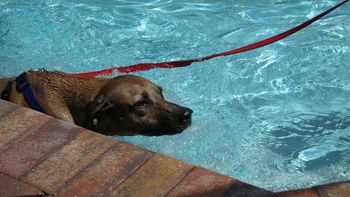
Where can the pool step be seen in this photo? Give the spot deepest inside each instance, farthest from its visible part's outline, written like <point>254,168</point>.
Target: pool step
<point>40,154</point>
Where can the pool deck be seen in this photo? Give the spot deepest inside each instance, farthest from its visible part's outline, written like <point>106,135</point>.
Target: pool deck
<point>40,155</point>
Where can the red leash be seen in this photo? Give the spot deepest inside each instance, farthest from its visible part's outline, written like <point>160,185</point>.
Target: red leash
<point>182,63</point>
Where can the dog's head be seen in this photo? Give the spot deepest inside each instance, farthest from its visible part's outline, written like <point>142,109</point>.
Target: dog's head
<point>131,105</point>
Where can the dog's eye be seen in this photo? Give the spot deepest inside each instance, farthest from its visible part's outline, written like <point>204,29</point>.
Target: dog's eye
<point>143,102</point>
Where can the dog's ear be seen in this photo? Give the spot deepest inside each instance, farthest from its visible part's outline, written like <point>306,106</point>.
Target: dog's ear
<point>99,104</point>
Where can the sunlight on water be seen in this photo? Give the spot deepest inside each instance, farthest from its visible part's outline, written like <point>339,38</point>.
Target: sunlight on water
<point>276,117</point>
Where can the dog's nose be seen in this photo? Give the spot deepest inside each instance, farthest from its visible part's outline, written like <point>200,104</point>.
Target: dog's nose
<point>186,116</point>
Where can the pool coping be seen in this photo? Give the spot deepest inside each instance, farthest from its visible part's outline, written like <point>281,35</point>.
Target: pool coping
<point>40,155</point>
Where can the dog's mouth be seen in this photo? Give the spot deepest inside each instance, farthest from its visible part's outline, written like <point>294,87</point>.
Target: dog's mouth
<point>164,128</point>
<point>173,129</point>
<point>159,131</point>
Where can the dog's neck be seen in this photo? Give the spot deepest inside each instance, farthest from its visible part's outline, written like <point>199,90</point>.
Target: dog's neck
<point>74,91</point>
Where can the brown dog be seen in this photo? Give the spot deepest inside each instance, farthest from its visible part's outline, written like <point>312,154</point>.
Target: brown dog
<point>124,105</point>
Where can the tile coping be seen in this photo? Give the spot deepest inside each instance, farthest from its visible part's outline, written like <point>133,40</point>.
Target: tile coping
<point>40,155</point>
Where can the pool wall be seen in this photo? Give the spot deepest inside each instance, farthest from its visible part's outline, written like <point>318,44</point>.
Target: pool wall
<point>40,155</point>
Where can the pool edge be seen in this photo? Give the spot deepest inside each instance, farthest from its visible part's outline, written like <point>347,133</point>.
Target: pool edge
<point>59,158</point>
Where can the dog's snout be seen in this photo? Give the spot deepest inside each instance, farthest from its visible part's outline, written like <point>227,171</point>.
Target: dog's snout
<point>186,116</point>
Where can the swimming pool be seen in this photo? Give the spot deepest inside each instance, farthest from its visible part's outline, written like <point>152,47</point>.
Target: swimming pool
<point>276,117</point>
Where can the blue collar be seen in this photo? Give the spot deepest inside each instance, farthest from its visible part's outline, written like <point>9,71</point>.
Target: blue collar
<point>23,85</point>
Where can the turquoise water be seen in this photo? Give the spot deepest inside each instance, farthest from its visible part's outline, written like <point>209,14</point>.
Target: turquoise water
<point>276,117</point>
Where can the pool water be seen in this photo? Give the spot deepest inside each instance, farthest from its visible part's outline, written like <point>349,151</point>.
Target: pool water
<point>277,117</point>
